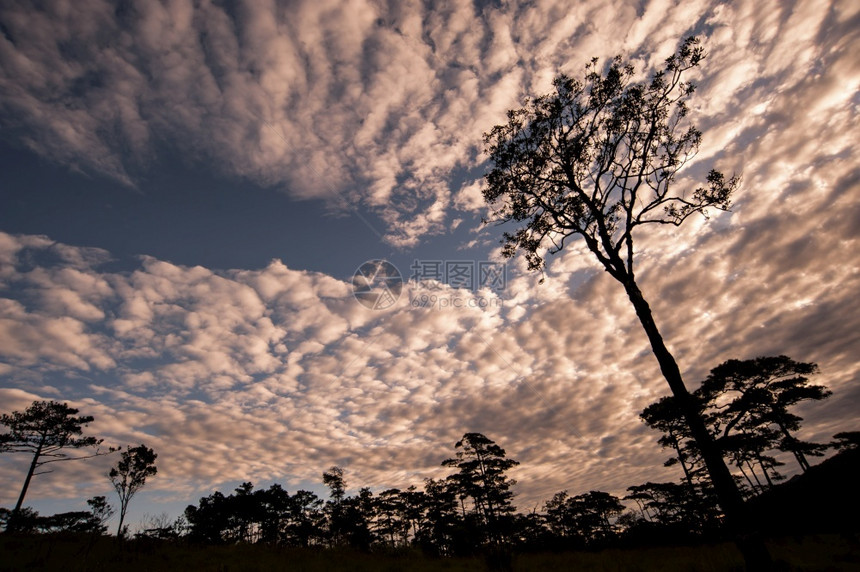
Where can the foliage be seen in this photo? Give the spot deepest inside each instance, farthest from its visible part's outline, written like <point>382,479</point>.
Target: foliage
<point>481,476</point>
<point>27,520</point>
<point>439,523</point>
<point>752,398</point>
<point>271,515</point>
<point>745,404</point>
<point>135,465</point>
<point>101,511</point>
<point>665,416</point>
<point>23,520</point>
<point>846,440</point>
<point>597,159</point>
<point>46,430</point>
<point>585,519</point>
<point>681,508</point>
<point>333,479</point>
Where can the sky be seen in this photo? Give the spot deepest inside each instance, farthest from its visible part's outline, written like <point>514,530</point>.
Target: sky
<point>189,187</point>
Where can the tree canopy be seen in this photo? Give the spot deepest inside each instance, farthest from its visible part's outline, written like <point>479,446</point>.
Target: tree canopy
<point>46,430</point>
<point>136,464</point>
<point>482,466</point>
<point>747,406</point>
<point>753,397</point>
<point>597,159</point>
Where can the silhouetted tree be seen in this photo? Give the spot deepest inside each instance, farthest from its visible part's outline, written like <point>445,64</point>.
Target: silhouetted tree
<point>666,417</point>
<point>679,507</point>
<point>249,515</point>
<point>756,394</point>
<point>360,515</point>
<point>23,520</point>
<point>438,530</point>
<point>846,440</point>
<point>596,511</point>
<point>218,519</point>
<point>559,516</point>
<point>586,518</point>
<point>209,520</point>
<point>745,407</point>
<point>45,430</point>
<point>333,479</point>
<point>412,503</point>
<point>482,466</point>
<point>160,527</point>
<point>597,160</point>
<point>135,465</point>
<point>80,521</point>
<point>531,531</point>
<point>274,513</point>
<point>246,513</point>
<point>747,449</point>
<point>306,524</point>
<point>101,512</point>
<point>349,518</point>
<point>391,526</point>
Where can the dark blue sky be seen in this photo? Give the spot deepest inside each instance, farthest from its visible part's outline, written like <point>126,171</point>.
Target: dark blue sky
<point>191,216</point>
<point>182,214</point>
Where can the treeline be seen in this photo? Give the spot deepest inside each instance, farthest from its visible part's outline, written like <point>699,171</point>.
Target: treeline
<point>748,407</point>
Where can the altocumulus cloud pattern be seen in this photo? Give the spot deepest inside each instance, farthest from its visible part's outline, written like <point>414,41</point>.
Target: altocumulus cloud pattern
<point>278,372</point>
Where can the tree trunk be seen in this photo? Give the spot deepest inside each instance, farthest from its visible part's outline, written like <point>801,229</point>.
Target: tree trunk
<point>764,470</point>
<point>798,454</point>
<point>119,533</point>
<point>755,476</point>
<point>747,477</point>
<point>30,472</point>
<point>730,499</point>
<point>687,474</point>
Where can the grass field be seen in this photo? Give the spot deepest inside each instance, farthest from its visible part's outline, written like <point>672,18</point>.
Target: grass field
<point>73,553</point>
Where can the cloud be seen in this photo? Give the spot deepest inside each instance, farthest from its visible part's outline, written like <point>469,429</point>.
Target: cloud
<point>277,373</point>
<point>363,103</point>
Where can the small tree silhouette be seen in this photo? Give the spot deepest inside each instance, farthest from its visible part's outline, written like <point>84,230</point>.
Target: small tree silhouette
<point>129,476</point>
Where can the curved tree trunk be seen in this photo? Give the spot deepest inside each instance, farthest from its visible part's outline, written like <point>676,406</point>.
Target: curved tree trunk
<point>730,499</point>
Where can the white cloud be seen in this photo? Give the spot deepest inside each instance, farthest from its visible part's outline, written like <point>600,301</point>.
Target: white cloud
<point>357,103</point>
